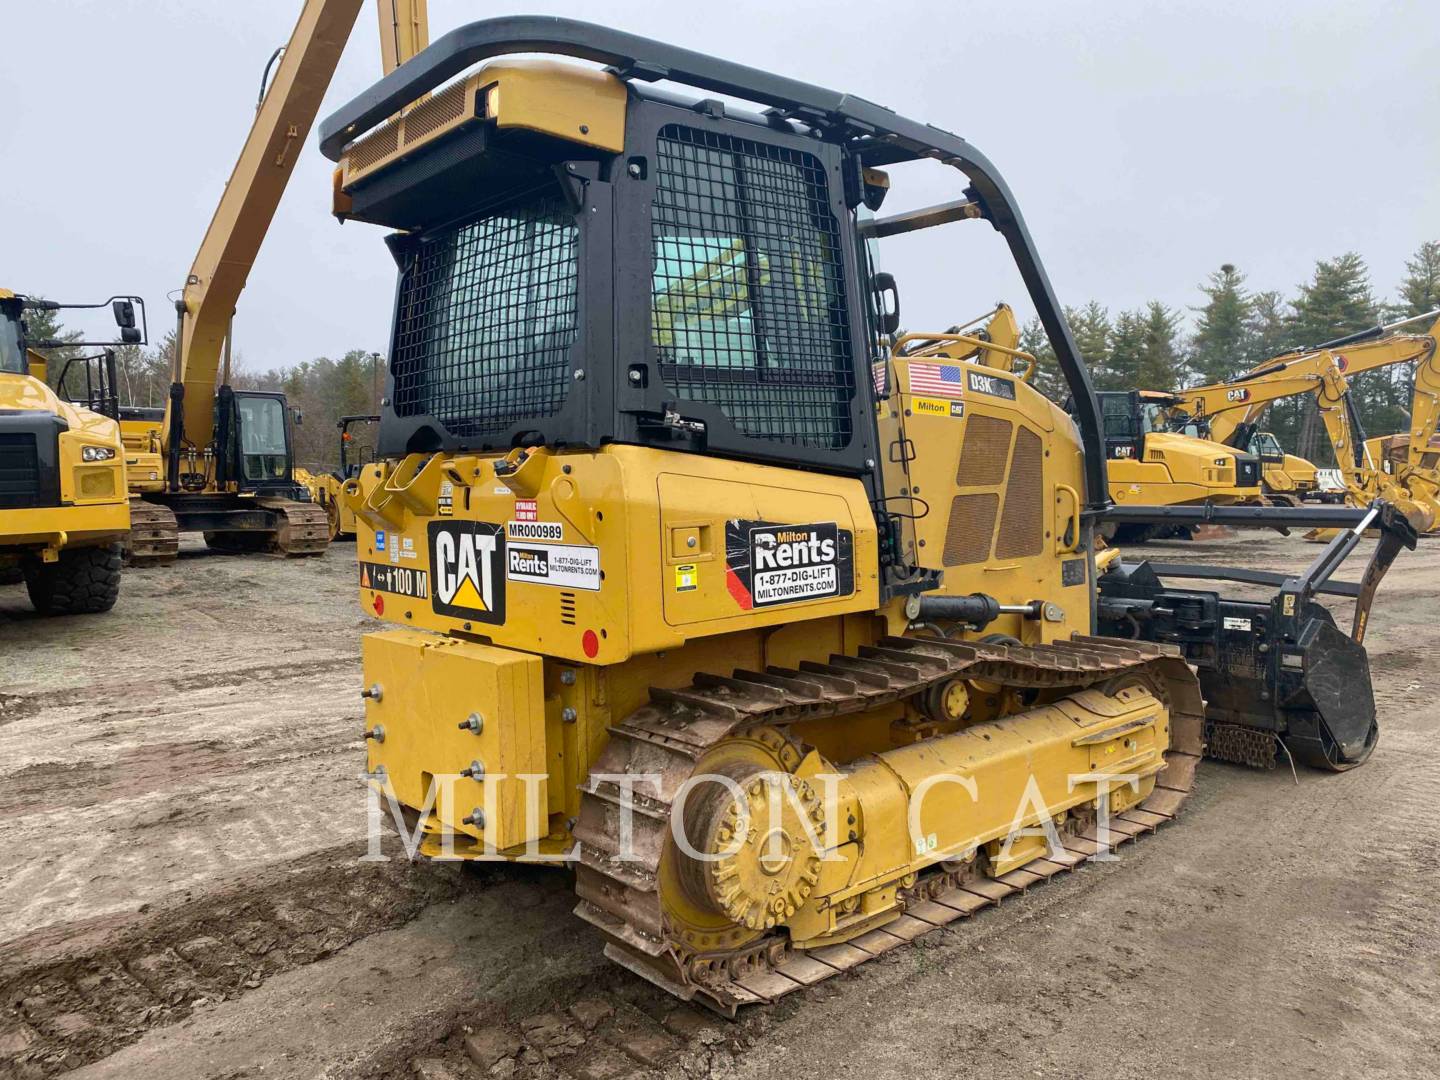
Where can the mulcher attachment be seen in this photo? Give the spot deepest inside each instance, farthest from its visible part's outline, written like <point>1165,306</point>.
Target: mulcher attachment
<point>1275,673</point>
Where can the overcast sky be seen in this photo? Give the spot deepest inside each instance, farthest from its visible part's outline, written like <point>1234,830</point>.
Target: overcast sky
<point>1146,142</point>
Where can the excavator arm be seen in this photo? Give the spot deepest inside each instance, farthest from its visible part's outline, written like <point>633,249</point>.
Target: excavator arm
<point>1228,405</point>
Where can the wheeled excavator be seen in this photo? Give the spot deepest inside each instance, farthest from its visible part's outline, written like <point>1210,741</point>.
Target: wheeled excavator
<point>64,514</point>
<point>778,633</point>
<point>1229,411</point>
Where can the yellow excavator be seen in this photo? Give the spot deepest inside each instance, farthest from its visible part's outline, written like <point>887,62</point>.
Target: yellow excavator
<point>325,486</point>
<point>64,514</point>
<point>779,628</point>
<point>1228,411</point>
<point>220,460</point>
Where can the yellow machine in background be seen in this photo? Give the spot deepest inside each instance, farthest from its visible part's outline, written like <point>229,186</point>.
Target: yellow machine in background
<point>225,457</point>
<point>326,487</point>
<point>776,624</point>
<point>64,513</point>
<point>1153,466</point>
<point>1229,411</point>
<point>1285,477</point>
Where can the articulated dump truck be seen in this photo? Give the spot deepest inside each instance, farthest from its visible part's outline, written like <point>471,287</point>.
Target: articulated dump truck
<point>787,639</point>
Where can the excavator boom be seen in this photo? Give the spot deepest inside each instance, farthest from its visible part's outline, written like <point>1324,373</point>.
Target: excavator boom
<point>243,216</point>
<point>266,162</point>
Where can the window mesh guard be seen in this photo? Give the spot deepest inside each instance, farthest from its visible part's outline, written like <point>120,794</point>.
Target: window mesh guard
<point>748,299</point>
<point>487,317</point>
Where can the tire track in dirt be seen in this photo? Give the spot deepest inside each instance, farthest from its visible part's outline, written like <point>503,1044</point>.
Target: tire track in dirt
<point>141,695</point>
<point>76,993</point>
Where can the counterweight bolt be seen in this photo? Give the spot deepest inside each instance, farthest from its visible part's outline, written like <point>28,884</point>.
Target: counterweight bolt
<point>474,723</point>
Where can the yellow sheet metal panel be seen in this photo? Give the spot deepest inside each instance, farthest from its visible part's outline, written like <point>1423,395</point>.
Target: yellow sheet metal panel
<point>430,687</point>
<point>742,550</point>
<point>581,104</point>
<point>577,104</point>
<point>987,472</point>
<point>65,526</point>
<point>570,555</point>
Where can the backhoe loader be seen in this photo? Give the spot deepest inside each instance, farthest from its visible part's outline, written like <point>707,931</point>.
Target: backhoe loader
<point>779,627</point>
<point>63,509</point>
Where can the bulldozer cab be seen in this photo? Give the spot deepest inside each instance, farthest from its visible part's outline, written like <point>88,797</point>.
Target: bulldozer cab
<point>587,259</point>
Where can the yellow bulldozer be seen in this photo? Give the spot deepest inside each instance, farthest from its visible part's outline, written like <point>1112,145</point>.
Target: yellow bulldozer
<point>787,634</point>
<point>64,514</point>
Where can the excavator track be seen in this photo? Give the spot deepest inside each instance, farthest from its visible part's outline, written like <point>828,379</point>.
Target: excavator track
<point>154,538</point>
<point>301,529</point>
<point>304,527</point>
<point>670,735</point>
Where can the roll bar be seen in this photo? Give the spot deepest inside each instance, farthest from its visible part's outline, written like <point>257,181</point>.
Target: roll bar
<point>876,134</point>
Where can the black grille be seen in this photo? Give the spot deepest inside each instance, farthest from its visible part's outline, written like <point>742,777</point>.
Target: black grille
<point>486,320</point>
<point>748,309</point>
<point>19,471</point>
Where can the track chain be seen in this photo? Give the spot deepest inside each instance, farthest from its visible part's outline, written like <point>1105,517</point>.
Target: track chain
<point>154,538</point>
<point>670,735</point>
<point>304,527</point>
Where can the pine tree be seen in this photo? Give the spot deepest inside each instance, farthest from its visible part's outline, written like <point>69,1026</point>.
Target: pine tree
<point>1420,291</point>
<point>42,325</point>
<point>1122,370</point>
<point>1048,379</point>
<point>1336,301</point>
<point>1268,333</point>
<point>1222,327</point>
<point>1159,360</point>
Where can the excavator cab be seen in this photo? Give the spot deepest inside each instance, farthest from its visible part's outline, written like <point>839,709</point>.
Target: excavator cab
<point>253,434</point>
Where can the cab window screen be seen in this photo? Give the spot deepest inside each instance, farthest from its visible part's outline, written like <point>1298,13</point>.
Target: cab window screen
<point>486,319</point>
<point>1118,419</point>
<point>748,298</point>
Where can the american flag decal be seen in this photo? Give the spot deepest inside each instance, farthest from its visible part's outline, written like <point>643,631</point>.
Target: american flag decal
<point>878,373</point>
<point>942,379</point>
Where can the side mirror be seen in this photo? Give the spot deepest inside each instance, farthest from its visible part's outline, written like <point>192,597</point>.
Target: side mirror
<point>884,284</point>
<point>125,319</point>
<point>298,417</point>
<point>130,335</point>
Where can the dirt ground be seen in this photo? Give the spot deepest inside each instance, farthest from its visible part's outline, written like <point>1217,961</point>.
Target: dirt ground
<point>182,894</point>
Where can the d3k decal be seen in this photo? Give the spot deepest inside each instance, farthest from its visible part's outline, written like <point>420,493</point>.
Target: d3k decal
<point>467,567</point>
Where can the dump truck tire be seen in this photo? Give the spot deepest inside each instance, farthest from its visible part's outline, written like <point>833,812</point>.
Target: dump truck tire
<point>83,581</point>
